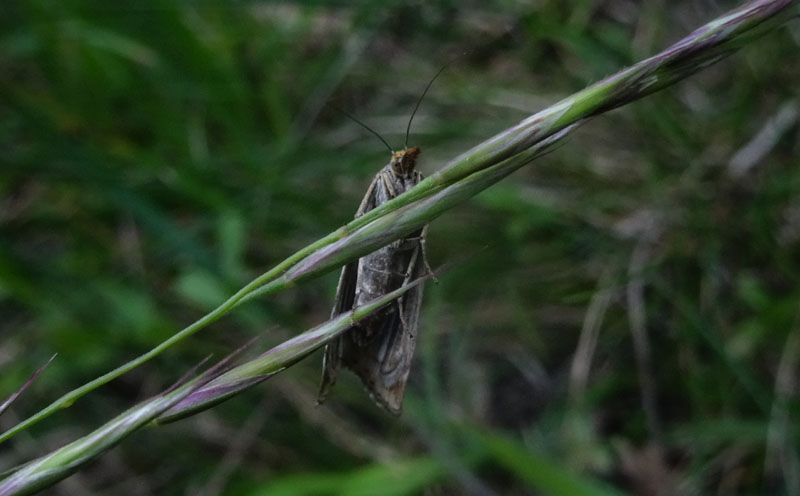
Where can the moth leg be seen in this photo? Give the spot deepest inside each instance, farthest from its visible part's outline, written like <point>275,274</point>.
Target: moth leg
<point>412,266</point>
<point>400,312</point>
<point>422,248</point>
<point>422,245</point>
<point>407,277</point>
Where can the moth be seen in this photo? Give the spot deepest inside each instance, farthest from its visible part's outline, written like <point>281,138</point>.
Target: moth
<point>379,348</point>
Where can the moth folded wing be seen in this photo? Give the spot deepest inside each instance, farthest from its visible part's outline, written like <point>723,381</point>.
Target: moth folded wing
<point>346,296</point>
<point>332,357</point>
<point>383,359</point>
<point>362,356</point>
<point>399,349</point>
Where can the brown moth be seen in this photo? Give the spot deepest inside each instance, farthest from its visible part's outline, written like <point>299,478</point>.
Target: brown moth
<point>379,348</point>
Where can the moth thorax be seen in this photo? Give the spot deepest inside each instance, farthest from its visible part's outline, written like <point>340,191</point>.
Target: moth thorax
<point>404,161</point>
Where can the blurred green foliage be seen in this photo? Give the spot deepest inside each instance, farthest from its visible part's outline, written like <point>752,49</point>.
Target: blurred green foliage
<point>158,155</point>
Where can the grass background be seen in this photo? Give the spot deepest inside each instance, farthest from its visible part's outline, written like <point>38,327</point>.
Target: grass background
<point>629,325</point>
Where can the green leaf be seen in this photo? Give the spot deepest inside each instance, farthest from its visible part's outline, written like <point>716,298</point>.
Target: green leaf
<point>398,478</point>
<point>540,473</point>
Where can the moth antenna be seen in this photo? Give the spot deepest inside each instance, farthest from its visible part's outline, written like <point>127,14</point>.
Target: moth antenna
<point>408,128</point>
<point>367,128</point>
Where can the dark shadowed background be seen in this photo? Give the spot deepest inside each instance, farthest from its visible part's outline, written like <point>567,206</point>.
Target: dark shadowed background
<point>627,322</point>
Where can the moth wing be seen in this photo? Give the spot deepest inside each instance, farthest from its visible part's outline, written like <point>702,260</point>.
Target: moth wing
<point>332,358</point>
<point>345,290</point>
<point>399,343</point>
<point>345,298</point>
<point>397,348</point>
<point>385,364</point>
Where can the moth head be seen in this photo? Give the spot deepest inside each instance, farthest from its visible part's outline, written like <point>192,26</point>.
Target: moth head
<point>404,161</point>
